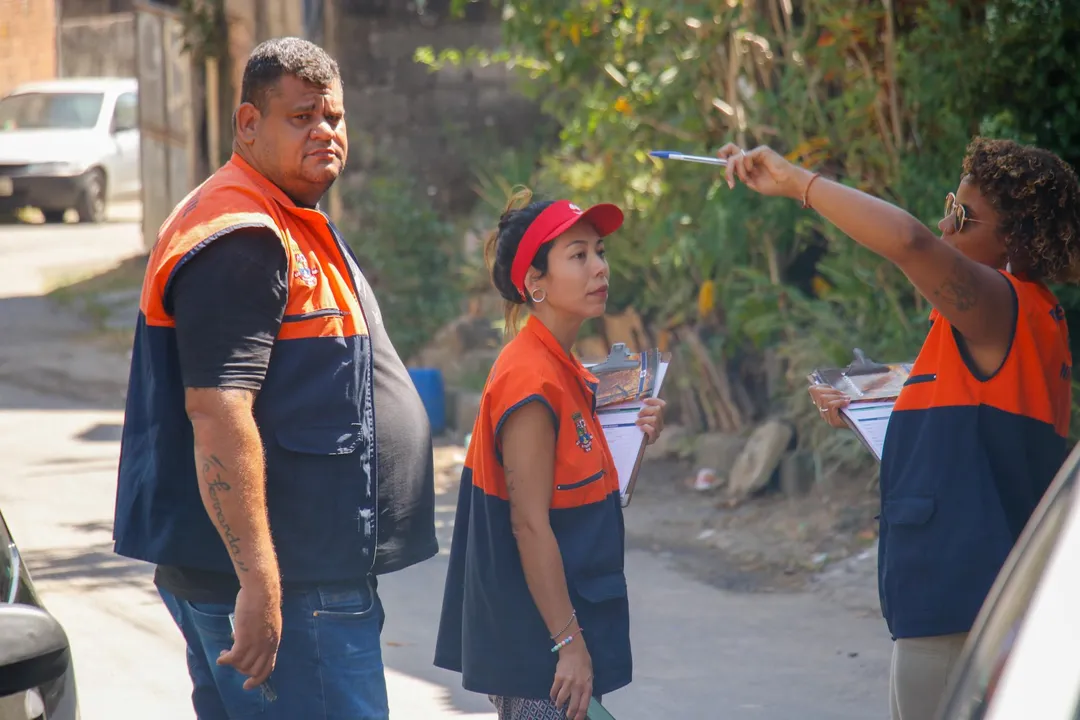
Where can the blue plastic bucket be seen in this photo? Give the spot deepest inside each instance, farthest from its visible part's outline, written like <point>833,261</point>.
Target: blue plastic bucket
<point>429,383</point>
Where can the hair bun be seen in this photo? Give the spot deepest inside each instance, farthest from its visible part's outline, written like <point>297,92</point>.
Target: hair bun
<point>505,218</point>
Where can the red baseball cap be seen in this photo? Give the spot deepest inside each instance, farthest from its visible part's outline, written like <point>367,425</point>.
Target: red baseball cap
<point>556,219</point>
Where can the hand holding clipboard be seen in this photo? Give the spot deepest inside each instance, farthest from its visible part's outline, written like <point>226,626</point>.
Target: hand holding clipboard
<point>871,389</point>
<point>626,381</point>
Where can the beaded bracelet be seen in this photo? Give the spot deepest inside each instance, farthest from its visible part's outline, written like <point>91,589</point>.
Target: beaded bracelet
<point>563,643</point>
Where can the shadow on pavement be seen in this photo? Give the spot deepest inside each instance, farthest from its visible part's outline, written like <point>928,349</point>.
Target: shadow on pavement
<point>66,467</point>
<point>102,432</point>
<point>413,602</point>
<point>93,526</point>
<point>88,568</point>
<point>53,359</point>
<point>68,297</point>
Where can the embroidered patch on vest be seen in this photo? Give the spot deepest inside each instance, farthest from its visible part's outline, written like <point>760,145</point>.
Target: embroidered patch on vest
<point>584,439</point>
<point>302,271</point>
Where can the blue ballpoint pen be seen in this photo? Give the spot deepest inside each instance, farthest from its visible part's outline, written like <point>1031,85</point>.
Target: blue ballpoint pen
<point>671,155</point>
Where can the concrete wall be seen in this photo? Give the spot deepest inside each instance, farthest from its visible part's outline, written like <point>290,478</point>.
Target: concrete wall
<point>94,8</point>
<point>249,23</point>
<point>401,114</point>
<point>27,42</point>
<point>102,46</point>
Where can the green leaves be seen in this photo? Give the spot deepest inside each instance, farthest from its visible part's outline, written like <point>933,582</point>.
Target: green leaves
<point>887,106</point>
<point>412,259</point>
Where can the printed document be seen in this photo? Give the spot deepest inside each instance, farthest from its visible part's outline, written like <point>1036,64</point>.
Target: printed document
<point>870,421</point>
<point>618,420</point>
<point>873,389</point>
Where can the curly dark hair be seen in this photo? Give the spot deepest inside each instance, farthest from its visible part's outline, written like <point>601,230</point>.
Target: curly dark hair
<point>1037,197</point>
<point>502,245</point>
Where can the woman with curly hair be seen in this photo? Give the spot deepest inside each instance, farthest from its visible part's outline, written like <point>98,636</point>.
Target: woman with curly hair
<point>980,428</point>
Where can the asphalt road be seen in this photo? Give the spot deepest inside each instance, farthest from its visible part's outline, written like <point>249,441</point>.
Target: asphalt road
<point>699,652</point>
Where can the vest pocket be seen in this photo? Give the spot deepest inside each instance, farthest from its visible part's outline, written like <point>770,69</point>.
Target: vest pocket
<point>320,499</point>
<point>580,483</point>
<point>602,587</point>
<point>918,379</point>
<point>348,602</point>
<point>320,440</point>
<point>909,510</point>
<point>604,615</point>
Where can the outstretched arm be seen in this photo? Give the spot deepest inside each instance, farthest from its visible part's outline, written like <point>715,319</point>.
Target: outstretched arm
<point>975,298</point>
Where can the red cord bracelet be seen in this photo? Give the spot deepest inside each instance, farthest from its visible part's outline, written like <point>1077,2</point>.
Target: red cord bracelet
<point>806,193</point>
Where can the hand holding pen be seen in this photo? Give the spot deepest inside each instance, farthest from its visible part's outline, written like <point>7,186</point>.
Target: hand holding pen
<point>265,687</point>
<point>671,155</point>
<point>254,649</point>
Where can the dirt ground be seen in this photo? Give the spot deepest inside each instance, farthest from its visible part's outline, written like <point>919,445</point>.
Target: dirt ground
<point>768,542</point>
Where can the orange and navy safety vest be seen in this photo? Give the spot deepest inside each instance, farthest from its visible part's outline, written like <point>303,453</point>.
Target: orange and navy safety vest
<point>315,410</point>
<point>966,460</point>
<point>491,630</point>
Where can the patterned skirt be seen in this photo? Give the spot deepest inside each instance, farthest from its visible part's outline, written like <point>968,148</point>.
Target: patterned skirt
<point>511,708</point>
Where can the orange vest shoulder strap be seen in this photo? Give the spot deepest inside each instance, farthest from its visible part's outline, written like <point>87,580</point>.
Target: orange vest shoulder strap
<point>226,202</point>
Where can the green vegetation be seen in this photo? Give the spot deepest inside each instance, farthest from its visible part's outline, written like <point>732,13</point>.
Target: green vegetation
<point>412,258</point>
<point>882,94</point>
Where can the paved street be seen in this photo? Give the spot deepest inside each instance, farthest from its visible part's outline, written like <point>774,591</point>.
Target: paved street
<point>699,652</point>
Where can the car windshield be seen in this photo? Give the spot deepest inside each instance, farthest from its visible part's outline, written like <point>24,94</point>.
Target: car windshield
<point>1006,607</point>
<point>50,111</point>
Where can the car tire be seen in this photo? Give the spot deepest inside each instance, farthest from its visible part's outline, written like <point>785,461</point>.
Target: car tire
<point>54,216</point>
<point>91,204</point>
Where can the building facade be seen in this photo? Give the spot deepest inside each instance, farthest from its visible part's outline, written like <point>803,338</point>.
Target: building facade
<point>27,42</point>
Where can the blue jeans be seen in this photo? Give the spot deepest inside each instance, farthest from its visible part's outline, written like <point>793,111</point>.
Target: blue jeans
<point>329,662</point>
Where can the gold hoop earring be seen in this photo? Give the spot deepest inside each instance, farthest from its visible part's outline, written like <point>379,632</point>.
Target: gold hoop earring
<point>538,300</point>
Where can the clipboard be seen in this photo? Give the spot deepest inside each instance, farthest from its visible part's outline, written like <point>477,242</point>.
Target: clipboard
<point>873,389</point>
<point>626,380</point>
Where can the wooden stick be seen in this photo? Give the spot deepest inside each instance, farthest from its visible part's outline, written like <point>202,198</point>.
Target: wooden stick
<point>730,417</point>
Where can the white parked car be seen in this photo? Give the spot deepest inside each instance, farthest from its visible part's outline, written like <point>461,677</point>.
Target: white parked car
<point>69,144</point>
<point>1022,659</point>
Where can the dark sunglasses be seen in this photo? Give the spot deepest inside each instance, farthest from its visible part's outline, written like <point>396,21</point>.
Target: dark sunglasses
<point>959,213</point>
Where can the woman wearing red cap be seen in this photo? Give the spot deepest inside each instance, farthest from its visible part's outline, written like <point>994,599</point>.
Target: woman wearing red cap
<point>535,613</point>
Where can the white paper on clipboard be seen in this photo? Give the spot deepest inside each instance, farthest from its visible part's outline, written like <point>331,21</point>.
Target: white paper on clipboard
<point>870,421</point>
<point>625,439</point>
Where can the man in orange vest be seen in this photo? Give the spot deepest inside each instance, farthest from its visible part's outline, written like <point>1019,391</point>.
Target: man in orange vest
<point>276,457</point>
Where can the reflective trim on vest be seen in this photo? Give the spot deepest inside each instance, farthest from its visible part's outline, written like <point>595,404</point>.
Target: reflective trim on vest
<point>315,410</point>
<point>490,630</point>
<point>966,461</point>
